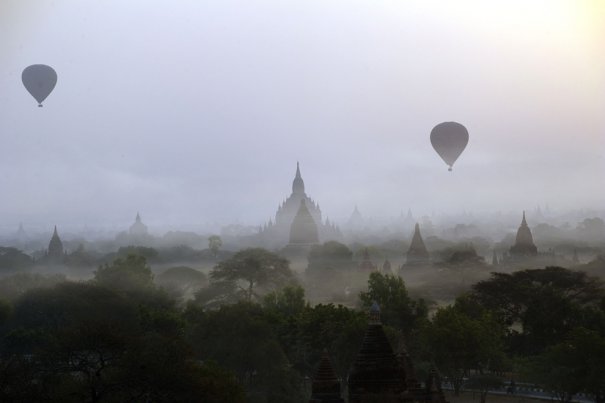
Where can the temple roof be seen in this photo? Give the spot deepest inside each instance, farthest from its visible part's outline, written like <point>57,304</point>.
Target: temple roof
<point>376,366</point>
<point>417,251</point>
<point>138,228</point>
<point>298,185</point>
<point>55,246</point>
<point>524,241</point>
<point>303,229</point>
<point>326,385</point>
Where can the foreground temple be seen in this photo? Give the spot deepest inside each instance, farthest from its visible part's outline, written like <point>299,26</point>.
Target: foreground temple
<point>377,375</point>
<point>326,385</point>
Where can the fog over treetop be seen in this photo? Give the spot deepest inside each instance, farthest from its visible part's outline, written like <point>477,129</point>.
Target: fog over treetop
<point>198,111</point>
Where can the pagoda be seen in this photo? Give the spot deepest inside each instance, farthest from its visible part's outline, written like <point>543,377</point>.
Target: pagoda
<point>417,253</point>
<point>524,242</point>
<point>326,385</point>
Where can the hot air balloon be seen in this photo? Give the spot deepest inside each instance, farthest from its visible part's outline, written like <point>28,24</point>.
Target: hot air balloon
<point>449,139</point>
<point>39,80</point>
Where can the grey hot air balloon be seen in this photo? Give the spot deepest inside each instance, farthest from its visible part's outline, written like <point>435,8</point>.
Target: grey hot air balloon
<point>39,80</point>
<point>449,139</point>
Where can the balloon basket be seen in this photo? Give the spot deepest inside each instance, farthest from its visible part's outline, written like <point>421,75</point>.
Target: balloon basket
<point>39,105</point>
<point>450,169</point>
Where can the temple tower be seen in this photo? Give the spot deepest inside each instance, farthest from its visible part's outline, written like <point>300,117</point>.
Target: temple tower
<point>138,228</point>
<point>524,242</point>
<point>326,385</point>
<point>303,229</point>
<point>366,264</point>
<point>417,253</point>
<point>298,185</point>
<point>55,246</point>
<point>376,375</point>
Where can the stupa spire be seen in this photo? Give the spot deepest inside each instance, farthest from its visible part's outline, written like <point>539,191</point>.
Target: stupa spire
<point>326,385</point>
<point>417,252</point>
<point>298,185</point>
<point>524,241</point>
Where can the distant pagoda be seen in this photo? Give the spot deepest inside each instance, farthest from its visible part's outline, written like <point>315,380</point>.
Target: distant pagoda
<point>417,253</point>
<point>55,247</point>
<point>355,222</point>
<point>524,242</point>
<point>278,232</point>
<point>366,264</point>
<point>138,228</point>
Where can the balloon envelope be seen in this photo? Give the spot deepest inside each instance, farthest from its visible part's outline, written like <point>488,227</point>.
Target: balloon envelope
<point>449,139</point>
<point>39,80</point>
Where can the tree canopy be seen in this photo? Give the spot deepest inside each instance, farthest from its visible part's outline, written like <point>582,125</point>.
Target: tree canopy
<point>253,270</point>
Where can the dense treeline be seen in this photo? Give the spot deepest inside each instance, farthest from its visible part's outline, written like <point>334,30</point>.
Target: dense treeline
<point>249,334</point>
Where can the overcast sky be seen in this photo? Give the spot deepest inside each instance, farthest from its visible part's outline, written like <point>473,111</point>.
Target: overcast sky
<point>195,112</point>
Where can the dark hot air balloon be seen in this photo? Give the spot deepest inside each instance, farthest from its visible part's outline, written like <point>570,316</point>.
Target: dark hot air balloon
<point>39,80</point>
<point>449,139</point>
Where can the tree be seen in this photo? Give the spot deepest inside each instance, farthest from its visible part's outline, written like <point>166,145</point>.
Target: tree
<point>240,338</point>
<point>325,326</point>
<point>287,302</point>
<point>546,303</point>
<point>69,348</point>
<point>12,287</point>
<point>12,259</point>
<point>329,257</point>
<point>484,383</point>
<point>459,343</point>
<point>82,342</point>
<point>182,281</point>
<point>125,274</point>
<point>214,244</point>
<point>150,254</point>
<point>329,268</point>
<point>592,230</point>
<point>574,365</point>
<point>397,309</point>
<point>5,310</point>
<point>251,269</point>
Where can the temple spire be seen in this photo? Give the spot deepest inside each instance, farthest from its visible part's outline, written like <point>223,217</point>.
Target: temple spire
<point>524,242</point>
<point>417,253</point>
<point>298,185</point>
<point>55,246</point>
<point>326,385</point>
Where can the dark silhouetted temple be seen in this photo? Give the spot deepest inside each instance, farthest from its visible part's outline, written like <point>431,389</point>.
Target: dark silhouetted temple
<point>524,242</point>
<point>326,385</point>
<point>281,232</point>
<point>55,247</point>
<point>377,375</point>
<point>417,254</point>
<point>303,230</point>
<point>366,264</point>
